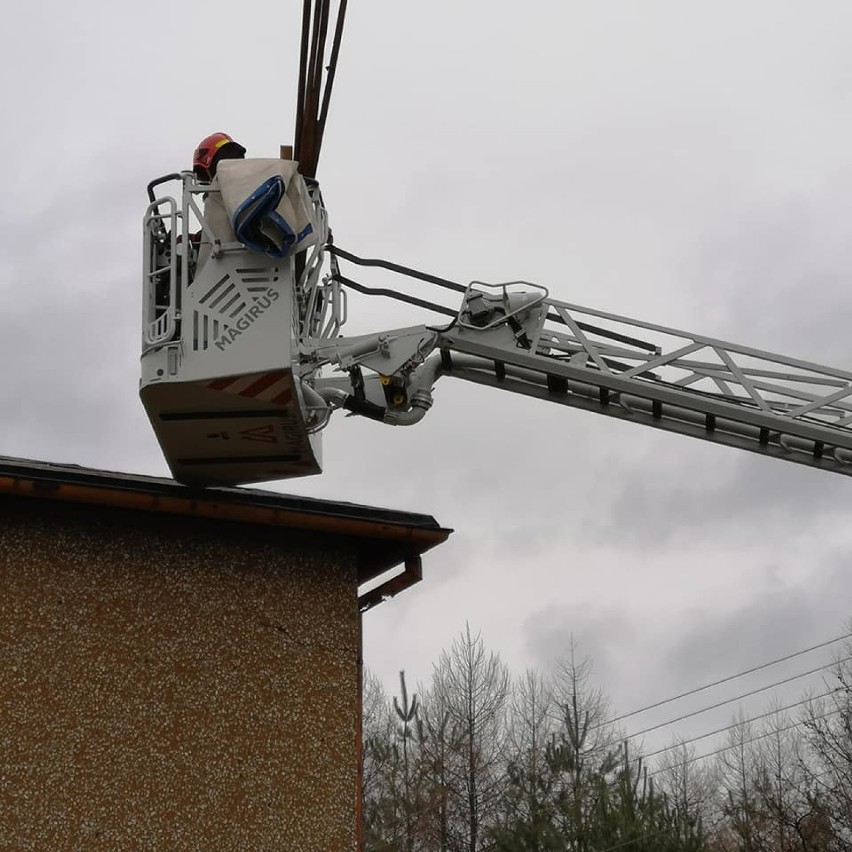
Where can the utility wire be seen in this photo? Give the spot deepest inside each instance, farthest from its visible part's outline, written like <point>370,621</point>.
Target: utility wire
<point>680,743</point>
<point>762,736</point>
<point>729,678</point>
<point>396,824</point>
<point>696,758</point>
<point>735,698</point>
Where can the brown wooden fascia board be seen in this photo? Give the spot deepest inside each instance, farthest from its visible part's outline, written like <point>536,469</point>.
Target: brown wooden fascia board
<point>417,538</point>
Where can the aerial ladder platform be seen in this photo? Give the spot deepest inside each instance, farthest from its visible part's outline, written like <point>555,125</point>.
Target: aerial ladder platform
<point>670,379</point>
<point>244,362</point>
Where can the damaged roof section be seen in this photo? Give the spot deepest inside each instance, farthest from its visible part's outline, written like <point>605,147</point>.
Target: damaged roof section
<point>383,538</point>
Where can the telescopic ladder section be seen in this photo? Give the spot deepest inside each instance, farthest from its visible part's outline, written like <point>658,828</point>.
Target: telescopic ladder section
<point>647,373</point>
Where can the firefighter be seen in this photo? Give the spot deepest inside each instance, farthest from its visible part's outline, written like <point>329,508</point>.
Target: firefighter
<point>210,150</point>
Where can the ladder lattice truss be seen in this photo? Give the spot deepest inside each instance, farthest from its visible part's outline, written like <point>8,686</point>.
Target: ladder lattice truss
<point>670,379</point>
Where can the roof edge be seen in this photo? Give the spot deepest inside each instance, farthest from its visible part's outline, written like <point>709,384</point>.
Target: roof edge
<point>76,484</point>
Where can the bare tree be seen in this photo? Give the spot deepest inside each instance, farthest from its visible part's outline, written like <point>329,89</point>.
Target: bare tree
<point>690,786</point>
<point>526,819</point>
<point>828,733</point>
<point>442,743</point>
<point>530,717</point>
<point>737,772</point>
<point>781,781</point>
<point>584,749</point>
<point>530,729</point>
<point>473,686</point>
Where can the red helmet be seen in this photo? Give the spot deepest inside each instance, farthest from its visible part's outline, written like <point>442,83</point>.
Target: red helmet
<point>211,149</point>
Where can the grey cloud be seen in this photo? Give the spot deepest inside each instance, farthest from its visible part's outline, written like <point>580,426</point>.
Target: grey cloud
<point>608,153</point>
<point>71,280</point>
<point>728,500</point>
<point>598,635</point>
<point>637,663</point>
<point>774,624</point>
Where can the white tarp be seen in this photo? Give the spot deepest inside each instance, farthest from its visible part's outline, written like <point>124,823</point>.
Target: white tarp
<point>267,204</point>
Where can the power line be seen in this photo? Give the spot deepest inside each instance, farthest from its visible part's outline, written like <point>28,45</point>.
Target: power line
<point>730,678</point>
<point>734,724</point>
<point>735,698</point>
<point>762,736</point>
<point>395,824</point>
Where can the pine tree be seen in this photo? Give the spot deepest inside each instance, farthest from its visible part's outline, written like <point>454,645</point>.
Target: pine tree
<point>406,714</point>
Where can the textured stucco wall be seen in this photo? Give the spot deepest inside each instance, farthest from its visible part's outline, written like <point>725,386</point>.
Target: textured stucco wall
<point>174,683</point>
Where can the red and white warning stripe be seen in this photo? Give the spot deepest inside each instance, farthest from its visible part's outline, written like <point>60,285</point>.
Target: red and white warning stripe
<point>274,387</point>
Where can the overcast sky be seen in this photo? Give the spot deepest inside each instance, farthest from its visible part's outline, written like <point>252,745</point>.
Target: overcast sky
<point>686,163</point>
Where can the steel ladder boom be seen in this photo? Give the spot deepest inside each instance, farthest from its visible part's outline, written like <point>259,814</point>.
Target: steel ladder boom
<point>646,373</point>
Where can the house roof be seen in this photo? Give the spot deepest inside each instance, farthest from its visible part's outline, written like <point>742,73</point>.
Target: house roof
<point>383,538</point>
